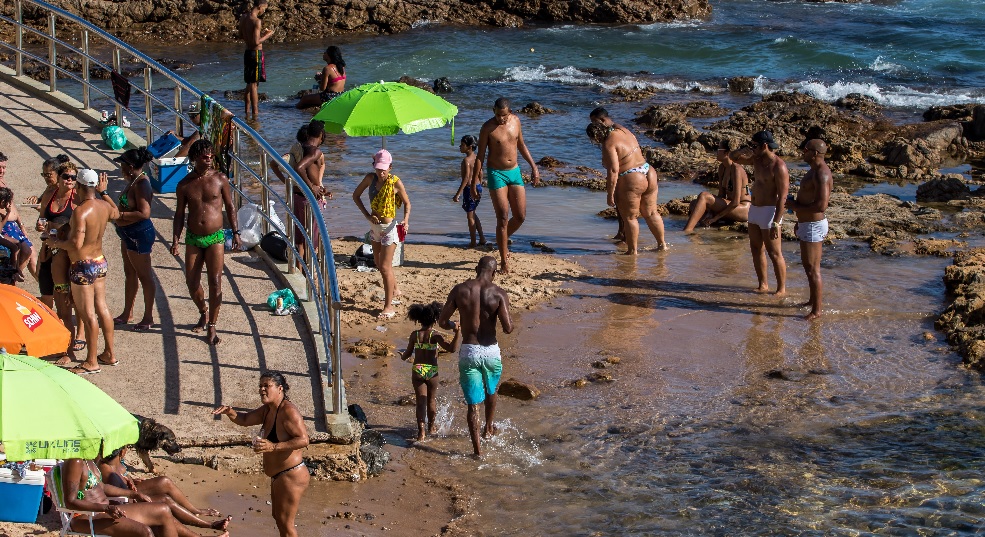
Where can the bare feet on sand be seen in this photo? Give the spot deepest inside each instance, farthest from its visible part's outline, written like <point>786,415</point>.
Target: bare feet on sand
<point>202,320</point>
<point>489,431</point>
<point>221,524</point>
<point>210,335</point>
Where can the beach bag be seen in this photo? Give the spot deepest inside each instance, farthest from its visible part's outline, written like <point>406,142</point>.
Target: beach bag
<point>250,225</point>
<point>286,294</point>
<point>274,244</point>
<point>363,256</point>
<point>114,137</point>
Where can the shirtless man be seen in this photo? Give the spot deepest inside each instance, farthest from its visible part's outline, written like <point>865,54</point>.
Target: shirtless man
<point>771,181</point>
<point>254,69</point>
<point>812,226</point>
<point>630,181</point>
<point>204,192</point>
<point>87,273</point>
<point>503,137</point>
<point>480,303</point>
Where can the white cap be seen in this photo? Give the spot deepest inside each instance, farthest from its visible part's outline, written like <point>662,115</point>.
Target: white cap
<point>88,178</point>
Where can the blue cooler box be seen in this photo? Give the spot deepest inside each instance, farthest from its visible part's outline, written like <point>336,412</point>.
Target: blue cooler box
<point>165,171</point>
<point>20,497</point>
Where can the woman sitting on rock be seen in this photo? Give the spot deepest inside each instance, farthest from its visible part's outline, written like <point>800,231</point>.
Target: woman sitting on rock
<point>331,80</point>
<point>732,201</point>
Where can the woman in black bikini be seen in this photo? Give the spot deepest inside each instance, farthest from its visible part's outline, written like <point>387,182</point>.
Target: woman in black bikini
<point>331,80</point>
<point>281,439</point>
<point>53,268</point>
<point>732,201</point>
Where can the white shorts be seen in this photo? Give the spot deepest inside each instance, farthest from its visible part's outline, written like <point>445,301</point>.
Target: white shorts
<point>762,215</point>
<point>385,234</point>
<point>812,231</point>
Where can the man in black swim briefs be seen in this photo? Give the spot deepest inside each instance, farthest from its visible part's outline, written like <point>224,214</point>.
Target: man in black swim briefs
<point>254,68</point>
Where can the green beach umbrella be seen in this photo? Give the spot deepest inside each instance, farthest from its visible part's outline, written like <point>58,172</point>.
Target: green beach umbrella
<point>384,109</point>
<point>47,412</point>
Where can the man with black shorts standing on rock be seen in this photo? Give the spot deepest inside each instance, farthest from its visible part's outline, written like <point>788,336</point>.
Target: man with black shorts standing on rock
<point>254,68</point>
<point>87,273</point>
<point>204,192</point>
<point>503,137</point>
<point>480,304</point>
<point>769,193</point>
<point>812,226</point>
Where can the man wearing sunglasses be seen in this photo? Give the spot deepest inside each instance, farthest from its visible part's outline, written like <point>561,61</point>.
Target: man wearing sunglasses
<point>771,181</point>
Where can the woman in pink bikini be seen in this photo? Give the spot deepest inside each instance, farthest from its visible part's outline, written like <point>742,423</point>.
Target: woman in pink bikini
<point>331,80</point>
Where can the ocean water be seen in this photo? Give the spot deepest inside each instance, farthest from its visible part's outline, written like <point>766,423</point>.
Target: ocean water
<point>728,414</point>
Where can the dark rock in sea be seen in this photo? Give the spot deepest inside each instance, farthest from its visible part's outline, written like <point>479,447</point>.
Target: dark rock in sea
<point>953,112</point>
<point>859,103</point>
<point>536,109</point>
<point>237,95</point>
<point>946,188</point>
<point>519,390</point>
<point>964,319</point>
<point>443,85</point>
<point>609,213</point>
<point>976,130</point>
<point>920,146</point>
<point>411,81</point>
<point>741,84</point>
<point>550,162</point>
<point>180,22</point>
<point>375,458</point>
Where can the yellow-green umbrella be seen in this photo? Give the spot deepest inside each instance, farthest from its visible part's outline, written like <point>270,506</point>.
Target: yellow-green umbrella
<point>47,412</point>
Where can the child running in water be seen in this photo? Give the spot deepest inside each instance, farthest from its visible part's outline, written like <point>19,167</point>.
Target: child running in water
<point>472,189</point>
<point>423,344</point>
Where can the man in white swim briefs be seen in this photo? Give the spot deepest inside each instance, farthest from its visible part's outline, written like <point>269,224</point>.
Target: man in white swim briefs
<point>769,192</point>
<point>812,226</point>
<point>480,304</point>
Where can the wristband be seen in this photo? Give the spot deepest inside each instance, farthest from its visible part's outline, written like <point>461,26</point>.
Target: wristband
<point>104,193</point>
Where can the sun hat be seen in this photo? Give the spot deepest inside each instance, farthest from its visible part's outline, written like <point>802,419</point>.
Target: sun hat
<point>382,160</point>
<point>88,178</point>
<point>765,137</point>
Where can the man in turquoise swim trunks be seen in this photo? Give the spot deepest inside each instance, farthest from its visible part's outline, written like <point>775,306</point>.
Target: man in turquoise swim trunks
<point>480,304</point>
<point>503,137</point>
<point>204,192</point>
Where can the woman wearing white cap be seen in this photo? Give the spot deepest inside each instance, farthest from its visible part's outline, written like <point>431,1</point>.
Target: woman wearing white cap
<point>386,193</point>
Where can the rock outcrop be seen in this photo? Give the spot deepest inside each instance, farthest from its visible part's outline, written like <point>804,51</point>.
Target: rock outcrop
<point>964,320</point>
<point>182,21</point>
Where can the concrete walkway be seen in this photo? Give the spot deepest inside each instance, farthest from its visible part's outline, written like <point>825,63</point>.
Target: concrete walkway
<point>168,373</point>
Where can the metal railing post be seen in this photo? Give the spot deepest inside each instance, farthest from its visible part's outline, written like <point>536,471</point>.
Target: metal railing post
<point>52,54</point>
<point>179,122</point>
<point>337,359</point>
<point>264,191</point>
<point>85,69</point>
<point>19,38</point>
<point>237,176</point>
<point>309,252</point>
<point>116,67</point>
<point>291,260</point>
<point>148,105</point>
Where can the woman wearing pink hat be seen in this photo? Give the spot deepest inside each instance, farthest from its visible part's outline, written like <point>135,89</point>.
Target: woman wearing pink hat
<point>386,193</point>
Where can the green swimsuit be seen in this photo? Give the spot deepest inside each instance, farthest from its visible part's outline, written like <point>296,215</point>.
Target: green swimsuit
<point>205,241</point>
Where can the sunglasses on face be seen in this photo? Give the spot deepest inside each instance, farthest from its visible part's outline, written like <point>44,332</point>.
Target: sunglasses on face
<point>68,176</point>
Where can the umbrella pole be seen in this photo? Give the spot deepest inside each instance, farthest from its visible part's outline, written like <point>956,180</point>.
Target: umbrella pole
<point>384,141</point>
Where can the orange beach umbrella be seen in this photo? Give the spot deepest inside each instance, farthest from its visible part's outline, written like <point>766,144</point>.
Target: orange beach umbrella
<point>26,322</point>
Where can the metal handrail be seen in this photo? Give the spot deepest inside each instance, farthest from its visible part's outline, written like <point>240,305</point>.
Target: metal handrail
<point>317,266</point>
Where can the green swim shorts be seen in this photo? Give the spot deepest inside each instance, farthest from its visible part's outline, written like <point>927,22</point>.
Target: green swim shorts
<point>205,241</point>
<point>500,178</point>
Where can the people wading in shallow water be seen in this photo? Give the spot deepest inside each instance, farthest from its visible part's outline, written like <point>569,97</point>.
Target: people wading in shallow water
<point>423,346</point>
<point>282,437</point>
<point>640,197</point>
<point>812,226</point>
<point>503,137</point>
<point>480,304</point>
<point>203,193</point>
<point>732,201</point>
<point>769,193</point>
<point>471,188</point>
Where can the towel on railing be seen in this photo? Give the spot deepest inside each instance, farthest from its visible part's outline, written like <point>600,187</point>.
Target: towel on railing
<point>121,88</point>
<point>216,127</point>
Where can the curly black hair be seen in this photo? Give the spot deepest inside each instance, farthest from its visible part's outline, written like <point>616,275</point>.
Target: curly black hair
<point>426,314</point>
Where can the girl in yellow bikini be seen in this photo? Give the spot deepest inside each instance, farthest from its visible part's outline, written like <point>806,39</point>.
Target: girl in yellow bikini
<point>423,344</point>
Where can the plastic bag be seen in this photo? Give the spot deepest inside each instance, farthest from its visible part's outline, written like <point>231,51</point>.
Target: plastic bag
<point>282,301</point>
<point>114,137</point>
<point>275,220</point>
<point>250,225</point>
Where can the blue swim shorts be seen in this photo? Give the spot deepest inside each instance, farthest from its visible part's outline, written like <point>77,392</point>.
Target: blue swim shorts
<point>500,178</point>
<point>468,203</point>
<point>12,230</point>
<point>138,236</point>
<point>479,369</point>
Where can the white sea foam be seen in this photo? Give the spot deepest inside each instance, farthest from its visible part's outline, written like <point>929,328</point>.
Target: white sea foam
<point>895,96</point>
<point>565,75</point>
<point>882,65</point>
<point>426,22</point>
<point>691,23</point>
<point>575,77</point>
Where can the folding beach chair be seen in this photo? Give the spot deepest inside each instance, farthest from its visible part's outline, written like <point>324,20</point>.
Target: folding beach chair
<point>53,479</point>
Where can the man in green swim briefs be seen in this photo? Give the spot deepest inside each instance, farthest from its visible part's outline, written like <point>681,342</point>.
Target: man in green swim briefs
<point>503,137</point>
<point>204,192</point>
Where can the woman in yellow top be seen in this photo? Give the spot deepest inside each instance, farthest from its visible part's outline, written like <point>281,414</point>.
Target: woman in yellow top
<point>386,193</point>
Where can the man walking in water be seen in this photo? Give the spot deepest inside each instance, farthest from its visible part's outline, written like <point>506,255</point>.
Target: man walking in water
<point>204,192</point>
<point>812,226</point>
<point>769,193</point>
<point>503,137</point>
<point>87,273</point>
<point>630,180</point>
<point>480,303</point>
<point>254,68</point>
